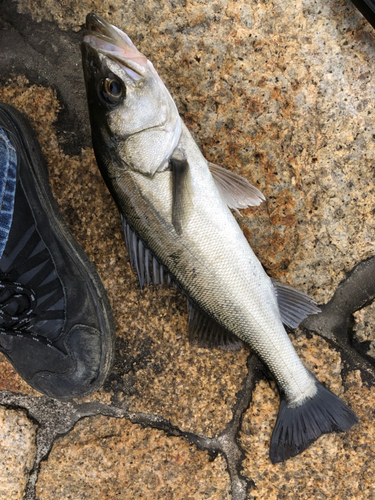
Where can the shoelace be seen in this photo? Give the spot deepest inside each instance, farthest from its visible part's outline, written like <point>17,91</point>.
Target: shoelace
<point>17,310</point>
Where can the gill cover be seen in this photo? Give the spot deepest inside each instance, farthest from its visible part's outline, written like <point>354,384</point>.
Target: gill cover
<point>141,118</point>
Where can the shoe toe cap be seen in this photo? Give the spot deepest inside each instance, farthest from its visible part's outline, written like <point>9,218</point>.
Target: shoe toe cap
<point>86,366</point>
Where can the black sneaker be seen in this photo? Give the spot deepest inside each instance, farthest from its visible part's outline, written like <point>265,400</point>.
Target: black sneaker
<point>56,325</point>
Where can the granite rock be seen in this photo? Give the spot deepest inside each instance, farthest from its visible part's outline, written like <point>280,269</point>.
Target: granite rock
<point>155,371</point>
<point>17,452</point>
<point>364,320</point>
<point>333,466</point>
<point>112,458</point>
<point>364,329</point>
<point>280,93</point>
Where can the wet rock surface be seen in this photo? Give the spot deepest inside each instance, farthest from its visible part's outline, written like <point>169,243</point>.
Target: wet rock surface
<point>283,95</point>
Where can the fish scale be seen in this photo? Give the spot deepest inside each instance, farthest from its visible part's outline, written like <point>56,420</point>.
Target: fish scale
<point>237,294</point>
<point>174,206</point>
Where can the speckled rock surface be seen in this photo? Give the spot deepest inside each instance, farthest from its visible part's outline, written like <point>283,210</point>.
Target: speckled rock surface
<point>364,329</point>
<point>17,452</point>
<point>109,458</point>
<point>282,94</point>
<point>330,466</point>
<point>156,370</point>
<point>328,469</point>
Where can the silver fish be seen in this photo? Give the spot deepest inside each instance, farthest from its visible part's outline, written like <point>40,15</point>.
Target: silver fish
<point>177,225</point>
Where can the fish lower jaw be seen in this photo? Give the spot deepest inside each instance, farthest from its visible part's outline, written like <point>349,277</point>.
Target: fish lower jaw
<point>302,397</point>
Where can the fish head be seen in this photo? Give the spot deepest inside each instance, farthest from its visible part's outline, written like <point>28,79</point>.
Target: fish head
<point>132,114</point>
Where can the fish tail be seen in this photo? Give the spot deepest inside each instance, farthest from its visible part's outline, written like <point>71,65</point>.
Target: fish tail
<point>297,427</point>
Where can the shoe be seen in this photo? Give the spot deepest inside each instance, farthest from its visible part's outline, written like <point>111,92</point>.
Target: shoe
<point>56,324</point>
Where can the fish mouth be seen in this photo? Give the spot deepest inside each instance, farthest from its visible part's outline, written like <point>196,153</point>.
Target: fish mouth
<point>110,41</point>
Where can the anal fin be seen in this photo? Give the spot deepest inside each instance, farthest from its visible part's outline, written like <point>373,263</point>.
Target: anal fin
<point>203,330</point>
<point>206,332</point>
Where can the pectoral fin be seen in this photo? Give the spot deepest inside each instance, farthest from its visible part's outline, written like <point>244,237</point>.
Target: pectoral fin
<point>236,191</point>
<point>182,193</point>
<point>294,306</point>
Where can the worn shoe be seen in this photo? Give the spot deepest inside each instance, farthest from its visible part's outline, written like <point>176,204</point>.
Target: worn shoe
<point>56,325</point>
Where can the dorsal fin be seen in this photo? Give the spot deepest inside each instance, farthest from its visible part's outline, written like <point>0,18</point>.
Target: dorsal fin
<point>294,305</point>
<point>206,332</point>
<point>148,268</point>
<point>236,191</point>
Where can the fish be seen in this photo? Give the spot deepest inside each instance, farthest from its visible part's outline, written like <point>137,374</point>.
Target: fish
<point>176,209</point>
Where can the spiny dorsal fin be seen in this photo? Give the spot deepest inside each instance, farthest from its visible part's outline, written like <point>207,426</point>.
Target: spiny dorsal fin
<point>236,191</point>
<point>294,306</point>
<point>148,268</point>
<point>182,193</point>
<point>205,332</point>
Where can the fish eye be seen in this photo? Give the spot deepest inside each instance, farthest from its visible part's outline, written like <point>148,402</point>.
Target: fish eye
<point>112,90</point>
<point>113,87</point>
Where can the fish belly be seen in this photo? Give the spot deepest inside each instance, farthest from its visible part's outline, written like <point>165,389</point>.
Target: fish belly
<point>214,265</point>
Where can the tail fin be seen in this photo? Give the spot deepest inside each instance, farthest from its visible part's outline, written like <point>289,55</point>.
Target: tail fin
<point>296,428</point>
